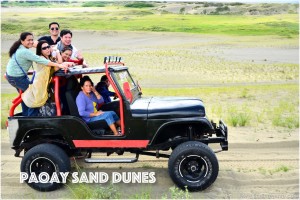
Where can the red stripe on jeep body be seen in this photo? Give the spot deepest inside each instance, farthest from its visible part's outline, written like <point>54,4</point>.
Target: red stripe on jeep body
<point>111,143</point>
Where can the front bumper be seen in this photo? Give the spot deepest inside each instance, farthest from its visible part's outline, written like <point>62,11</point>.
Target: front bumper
<point>224,131</point>
<point>222,134</point>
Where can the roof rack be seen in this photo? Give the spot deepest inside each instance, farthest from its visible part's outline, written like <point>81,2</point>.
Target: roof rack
<point>112,59</point>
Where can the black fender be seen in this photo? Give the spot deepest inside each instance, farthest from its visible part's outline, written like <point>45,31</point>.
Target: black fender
<point>68,128</point>
<point>200,124</point>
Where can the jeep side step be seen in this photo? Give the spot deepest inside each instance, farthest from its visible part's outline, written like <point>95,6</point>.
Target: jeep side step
<point>112,160</point>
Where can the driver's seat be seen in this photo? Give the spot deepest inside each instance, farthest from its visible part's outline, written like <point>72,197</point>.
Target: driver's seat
<point>72,90</point>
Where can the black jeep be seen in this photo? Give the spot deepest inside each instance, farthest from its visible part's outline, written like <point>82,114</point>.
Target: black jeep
<point>172,127</point>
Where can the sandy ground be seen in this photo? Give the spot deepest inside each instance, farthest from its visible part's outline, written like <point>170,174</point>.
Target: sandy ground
<point>117,42</point>
<point>243,173</point>
<point>249,170</point>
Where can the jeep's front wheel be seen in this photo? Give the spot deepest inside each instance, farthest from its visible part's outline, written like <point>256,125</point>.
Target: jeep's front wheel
<point>193,165</point>
<point>43,162</point>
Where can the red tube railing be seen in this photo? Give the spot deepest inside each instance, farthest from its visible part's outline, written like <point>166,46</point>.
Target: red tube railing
<point>55,80</point>
<point>118,94</point>
<point>15,102</point>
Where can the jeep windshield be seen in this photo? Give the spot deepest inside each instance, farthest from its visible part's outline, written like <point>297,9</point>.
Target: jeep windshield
<point>120,74</point>
<point>127,85</point>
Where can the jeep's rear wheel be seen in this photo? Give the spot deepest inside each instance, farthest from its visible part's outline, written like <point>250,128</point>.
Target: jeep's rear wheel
<point>45,160</point>
<point>193,165</point>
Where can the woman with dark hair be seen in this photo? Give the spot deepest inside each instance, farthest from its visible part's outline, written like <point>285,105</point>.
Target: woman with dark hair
<point>86,101</point>
<point>21,59</point>
<point>66,53</point>
<point>36,94</point>
<point>43,49</point>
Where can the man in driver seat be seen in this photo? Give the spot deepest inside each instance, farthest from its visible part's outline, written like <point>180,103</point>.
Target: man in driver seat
<point>102,88</point>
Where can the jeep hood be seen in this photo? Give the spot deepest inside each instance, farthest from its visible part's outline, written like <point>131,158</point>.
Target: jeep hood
<point>168,107</point>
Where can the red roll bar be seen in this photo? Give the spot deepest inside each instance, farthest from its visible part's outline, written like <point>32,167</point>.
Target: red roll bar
<point>15,102</point>
<point>117,92</point>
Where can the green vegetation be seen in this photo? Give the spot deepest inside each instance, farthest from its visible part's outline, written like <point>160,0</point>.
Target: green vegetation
<point>236,4</point>
<point>111,191</point>
<point>182,10</point>
<point>284,115</point>
<point>92,191</point>
<point>221,9</point>
<point>145,19</point>
<point>87,191</point>
<point>262,95</point>
<point>264,171</point>
<point>282,168</point>
<point>139,5</point>
<point>238,118</point>
<point>33,3</point>
<point>141,195</point>
<point>265,104</point>
<point>176,193</point>
<point>6,100</point>
<point>256,110</point>
<point>212,4</point>
<point>94,4</point>
<point>25,4</point>
<point>147,166</point>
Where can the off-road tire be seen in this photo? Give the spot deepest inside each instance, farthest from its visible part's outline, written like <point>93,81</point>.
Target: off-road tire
<point>45,158</point>
<point>193,165</point>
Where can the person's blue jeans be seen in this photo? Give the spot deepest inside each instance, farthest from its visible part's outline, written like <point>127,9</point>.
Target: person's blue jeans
<point>22,83</point>
<point>109,116</point>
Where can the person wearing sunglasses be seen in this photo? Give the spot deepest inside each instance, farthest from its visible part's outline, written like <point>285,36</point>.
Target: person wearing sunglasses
<point>36,94</point>
<point>53,38</point>
<point>21,59</point>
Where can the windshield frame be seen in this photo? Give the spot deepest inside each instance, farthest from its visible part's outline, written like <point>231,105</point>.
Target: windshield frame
<point>122,76</point>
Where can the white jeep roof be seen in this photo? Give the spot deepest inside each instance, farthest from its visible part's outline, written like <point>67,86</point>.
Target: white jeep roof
<point>78,69</point>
